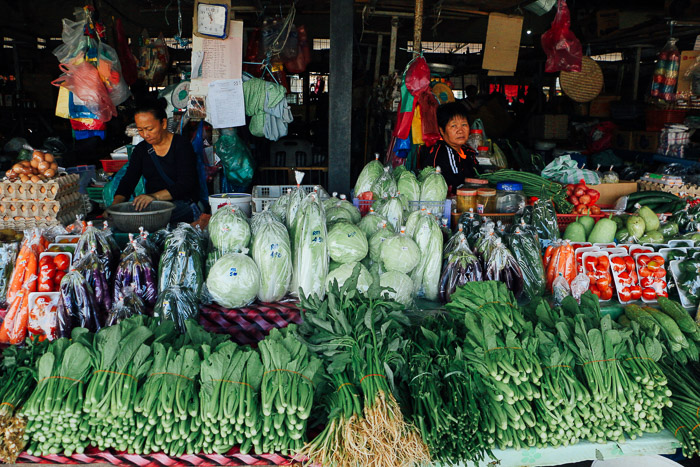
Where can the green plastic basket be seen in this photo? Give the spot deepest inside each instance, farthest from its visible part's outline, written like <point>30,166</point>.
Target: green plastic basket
<point>95,194</point>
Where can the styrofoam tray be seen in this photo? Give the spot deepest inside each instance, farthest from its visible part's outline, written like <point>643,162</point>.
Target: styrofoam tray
<point>674,243</point>
<point>676,273</point>
<point>656,246</point>
<point>616,277</point>
<point>62,245</point>
<point>636,262</point>
<point>605,245</point>
<point>53,254</point>
<point>597,254</point>
<point>667,250</point>
<point>640,248</point>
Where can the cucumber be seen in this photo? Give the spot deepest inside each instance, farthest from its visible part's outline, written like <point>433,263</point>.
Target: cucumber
<point>652,200</point>
<point>678,313</point>
<point>644,319</point>
<point>667,323</point>
<point>649,194</point>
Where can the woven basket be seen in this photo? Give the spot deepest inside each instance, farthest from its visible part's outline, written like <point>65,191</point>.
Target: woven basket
<point>583,86</point>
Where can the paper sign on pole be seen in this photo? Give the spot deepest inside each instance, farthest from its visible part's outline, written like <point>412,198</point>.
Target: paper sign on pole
<point>220,59</point>
<point>225,103</point>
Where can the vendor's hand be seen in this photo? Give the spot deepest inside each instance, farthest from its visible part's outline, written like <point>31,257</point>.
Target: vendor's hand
<point>142,201</point>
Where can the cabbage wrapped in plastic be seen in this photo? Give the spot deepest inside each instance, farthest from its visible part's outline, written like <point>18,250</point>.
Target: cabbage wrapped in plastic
<point>370,173</point>
<point>385,185</point>
<point>310,250</point>
<point>272,254</point>
<point>408,186</point>
<point>461,266</point>
<point>136,271</point>
<point>262,218</point>
<point>400,253</point>
<point>234,281</point>
<point>392,211</point>
<point>295,199</point>
<point>279,206</point>
<point>348,206</point>
<point>425,172</point>
<point>347,243</point>
<point>332,201</point>
<point>426,276</point>
<point>433,192</point>
<point>129,304</point>
<point>345,271</point>
<point>337,213</point>
<point>181,263</point>
<point>412,221</point>
<point>502,266</point>
<point>229,230</point>
<point>398,171</point>
<point>178,305</point>
<point>371,223</point>
<point>376,241</point>
<point>524,247</point>
<point>397,286</point>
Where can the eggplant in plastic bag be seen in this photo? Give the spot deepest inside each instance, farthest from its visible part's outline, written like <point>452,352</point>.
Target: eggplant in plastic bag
<point>94,241</point>
<point>461,266</point>
<point>176,304</point>
<point>78,309</point>
<point>501,265</point>
<point>92,269</point>
<point>526,250</point>
<point>128,305</point>
<point>136,270</point>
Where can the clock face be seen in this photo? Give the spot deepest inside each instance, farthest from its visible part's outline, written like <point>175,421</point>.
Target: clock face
<point>211,19</point>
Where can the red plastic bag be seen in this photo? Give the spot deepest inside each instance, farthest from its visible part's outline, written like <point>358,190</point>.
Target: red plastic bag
<point>84,81</point>
<point>126,58</point>
<point>303,57</point>
<point>560,44</point>
<point>418,77</point>
<point>601,137</point>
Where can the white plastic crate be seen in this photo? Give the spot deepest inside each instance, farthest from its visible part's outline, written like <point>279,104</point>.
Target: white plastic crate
<point>264,195</point>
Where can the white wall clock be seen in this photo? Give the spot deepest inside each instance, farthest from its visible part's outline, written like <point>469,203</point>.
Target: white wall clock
<point>211,18</point>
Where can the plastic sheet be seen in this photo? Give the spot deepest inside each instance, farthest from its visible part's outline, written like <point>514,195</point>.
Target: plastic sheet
<point>461,266</point>
<point>136,271</point>
<point>178,305</point>
<point>526,250</point>
<point>78,308</point>
<point>128,305</point>
<point>501,266</point>
<point>272,253</point>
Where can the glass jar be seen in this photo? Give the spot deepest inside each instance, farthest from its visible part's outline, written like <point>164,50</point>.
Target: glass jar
<point>483,157</point>
<point>486,200</point>
<point>509,197</point>
<point>476,139</point>
<point>466,199</point>
<point>475,183</point>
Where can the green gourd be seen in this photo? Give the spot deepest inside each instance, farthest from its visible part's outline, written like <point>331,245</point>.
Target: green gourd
<point>603,231</point>
<point>622,235</point>
<point>651,220</point>
<point>576,232</point>
<point>636,226</point>
<point>587,222</point>
<point>653,236</point>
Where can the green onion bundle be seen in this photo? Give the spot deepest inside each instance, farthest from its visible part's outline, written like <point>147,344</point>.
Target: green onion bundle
<point>534,185</point>
<point>681,418</point>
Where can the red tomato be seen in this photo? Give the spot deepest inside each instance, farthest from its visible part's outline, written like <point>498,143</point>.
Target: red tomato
<point>634,277</point>
<point>603,261</point>
<point>606,293</point>
<point>658,259</point>
<point>618,264</point>
<point>636,292</point>
<point>660,273</point>
<point>603,283</point>
<point>645,272</point>
<point>58,278</point>
<point>624,278</point>
<point>592,279</point>
<point>62,262</point>
<point>590,263</point>
<point>643,260</point>
<point>662,293</point>
<point>625,294</point>
<point>647,281</point>
<point>629,263</point>
<point>594,290</point>
<point>649,294</point>
<point>602,269</point>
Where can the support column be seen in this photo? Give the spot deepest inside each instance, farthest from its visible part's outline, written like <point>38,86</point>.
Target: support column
<point>378,58</point>
<point>418,28</point>
<point>392,44</point>
<point>637,63</point>
<point>340,98</point>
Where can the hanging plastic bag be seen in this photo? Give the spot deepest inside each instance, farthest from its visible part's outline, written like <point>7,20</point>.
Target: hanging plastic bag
<point>75,42</point>
<point>110,71</point>
<point>235,157</point>
<point>78,309</point>
<point>665,77</point>
<point>128,305</point>
<point>153,59</point>
<point>417,76</point>
<point>126,58</point>
<point>84,81</point>
<point>176,304</point>
<point>404,119</point>
<point>563,49</point>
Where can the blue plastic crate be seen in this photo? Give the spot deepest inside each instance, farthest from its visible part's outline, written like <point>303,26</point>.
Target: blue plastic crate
<point>437,208</point>
<point>86,172</point>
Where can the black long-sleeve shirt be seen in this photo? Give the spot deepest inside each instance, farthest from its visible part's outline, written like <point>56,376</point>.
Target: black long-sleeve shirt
<point>455,167</point>
<point>180,164</point>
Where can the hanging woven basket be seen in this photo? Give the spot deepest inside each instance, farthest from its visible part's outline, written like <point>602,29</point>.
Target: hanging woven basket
<point>585,85</point>
<point>443,93</point>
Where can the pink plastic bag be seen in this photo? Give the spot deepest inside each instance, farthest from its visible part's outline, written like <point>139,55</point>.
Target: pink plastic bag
<point>418,77</point>
<point>560,44</point>
<point>84,81</point>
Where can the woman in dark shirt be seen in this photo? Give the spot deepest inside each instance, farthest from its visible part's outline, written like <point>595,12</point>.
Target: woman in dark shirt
<point>455,159</point>
<point>168,163</point>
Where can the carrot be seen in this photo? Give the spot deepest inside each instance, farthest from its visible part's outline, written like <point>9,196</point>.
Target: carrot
<point>548,255</point>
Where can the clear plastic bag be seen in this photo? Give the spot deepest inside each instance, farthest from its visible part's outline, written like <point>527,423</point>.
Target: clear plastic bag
<point>461,266</point>
<point>392,211</point>
<point>136,271</point>
<point>110,71</point>
<point>526,250</point>
<point>128,305</point>
<point>544,220</point>
<point>272,253</point>
<point>84,81</point>
<point>579,286</point>
<point>78,305</point>
<point>75,42</point>
<point>176,304</point>
<point>310,250</point>
<point>563,49</point>
<point>560,289</point>
<point>385,185</point>
<point>8,255</point>
<point>559,259</point>
<point>92,269</point>
<point>94,241</point>
<point>501,266</point>
<point>181,263</point>
<point>153,59</point>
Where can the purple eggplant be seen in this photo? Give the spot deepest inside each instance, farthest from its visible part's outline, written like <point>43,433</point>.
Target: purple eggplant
<point>136,270</point>
<point>78,305</point>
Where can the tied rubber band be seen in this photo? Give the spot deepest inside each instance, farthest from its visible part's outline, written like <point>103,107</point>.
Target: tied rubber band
<point>116,373</point>
<point>11,405</point>
<point>599,361</point>
<point>342,385</point>
<point>639,358</point>
<point>374,374</point>
<point>233,382</point>
<point>558,366</point>
<point>504,348</point>
<point>60,377</point>
<point>495,303</point>
<point>676,432</point>
<point>172,374</point>
<point>695,427</point>
<point>290,371</point>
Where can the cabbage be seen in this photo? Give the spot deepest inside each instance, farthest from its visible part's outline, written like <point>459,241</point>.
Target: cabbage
<point>412,222</point>
<point>272,254</point>
<point>279,206</point>
<point>408,187</point>
<point>347,243</point>
<point>376,242</point>
<point>400,253</point>
<point>398,171</point>
<point>234,280</point>
<point>371,223</point>
<point>337,213</point>
<point>392,211</point>
<point>426,276</point>
<point>345,271</point>
<point>423,174</point>
<point>370,173</point>
<point>348,206</point>
<point>310,249</point>
<point>229,230</point>
<point>434,190</point>
<point>333,266</point>
<point>331,202</point>
<point>295,199</point>
<point>400,283</point>
<point>261,219</point>
<point>384,186</point>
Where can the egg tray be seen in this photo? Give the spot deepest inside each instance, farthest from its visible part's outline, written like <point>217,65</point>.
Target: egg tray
<point>33,208</point>
<point>684,191</point>
<point>51,189</point>
<point>63,216</point>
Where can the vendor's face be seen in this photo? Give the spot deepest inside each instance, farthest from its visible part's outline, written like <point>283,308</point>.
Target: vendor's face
<point>456,132</point>
<point>150,128</point>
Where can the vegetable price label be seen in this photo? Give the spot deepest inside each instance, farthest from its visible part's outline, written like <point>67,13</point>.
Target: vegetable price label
<point>352,234</point>
<point>273,250</point>
<point>233,272</point>
<point>317,240</point>
<point>181,254</point>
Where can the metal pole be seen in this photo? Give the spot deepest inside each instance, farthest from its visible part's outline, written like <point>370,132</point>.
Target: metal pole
<point>418,27</point>
<point>378,58</point>
<point>392,45</point>
<point>340,99</point>
<point>637,63</point>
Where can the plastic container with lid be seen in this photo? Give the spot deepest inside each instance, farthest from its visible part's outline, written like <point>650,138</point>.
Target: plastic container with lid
<point>486,200</point>
<point>466,198</point>
<point>509,197</point>
<point>476,139</point>
<point>475,183</point>
<point>483,156</point>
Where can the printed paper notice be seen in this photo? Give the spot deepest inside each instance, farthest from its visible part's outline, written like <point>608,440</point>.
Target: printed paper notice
<point>217,59</point>
<point>225,103</point>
